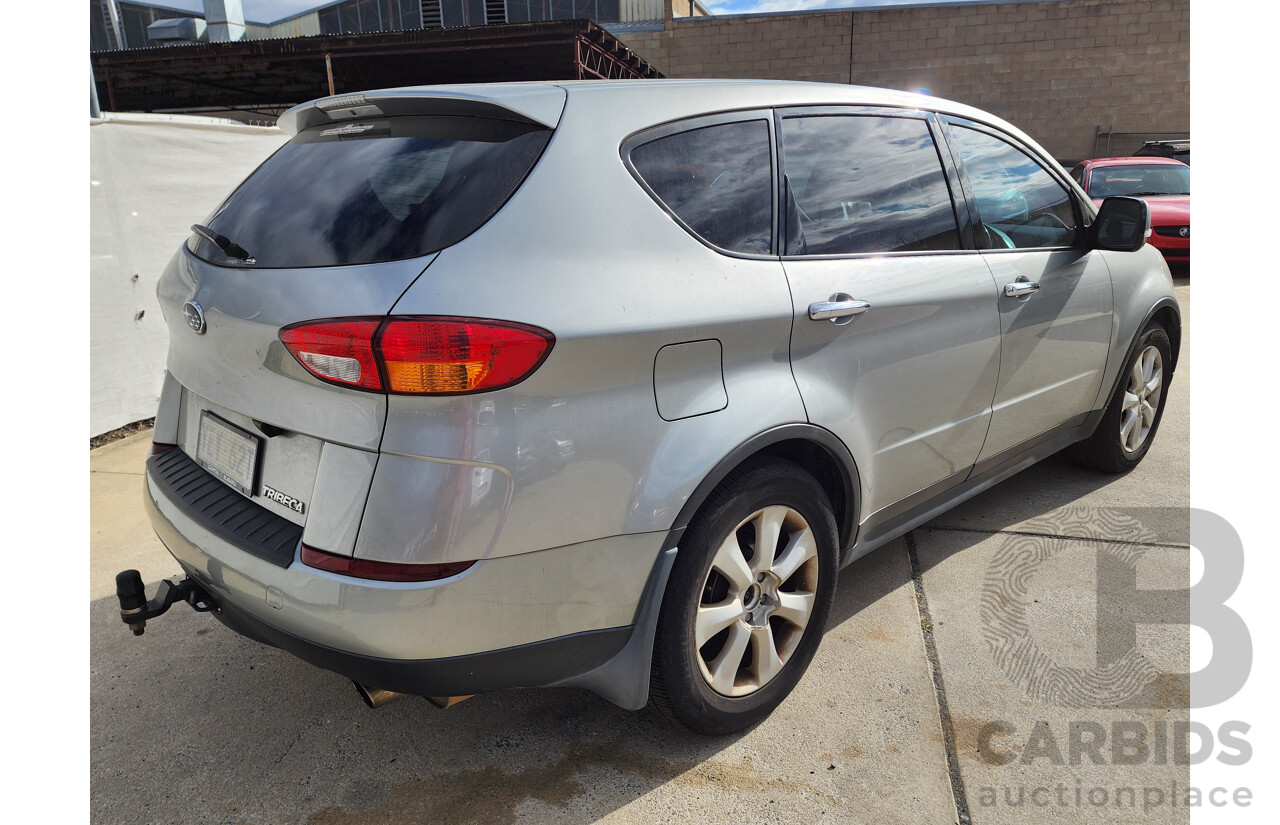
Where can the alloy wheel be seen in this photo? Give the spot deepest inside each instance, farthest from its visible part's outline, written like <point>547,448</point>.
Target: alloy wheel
<point>759,594</point>
<point>1141,399</point>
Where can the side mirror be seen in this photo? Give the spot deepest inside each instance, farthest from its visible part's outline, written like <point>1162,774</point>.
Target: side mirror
<point>1123,225</point>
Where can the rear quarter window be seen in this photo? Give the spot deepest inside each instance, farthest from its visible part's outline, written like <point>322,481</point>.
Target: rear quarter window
<point>368,191</point>
<point>717,180</point>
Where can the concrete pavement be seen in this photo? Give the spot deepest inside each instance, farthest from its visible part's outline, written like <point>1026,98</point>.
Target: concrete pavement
<point>962,671</point>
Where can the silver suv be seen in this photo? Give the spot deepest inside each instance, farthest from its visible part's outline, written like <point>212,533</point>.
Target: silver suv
<point>600,384</point>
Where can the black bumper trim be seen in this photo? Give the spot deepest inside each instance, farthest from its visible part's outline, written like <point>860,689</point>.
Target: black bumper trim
<point>536,664</point>
<point>222,511</point>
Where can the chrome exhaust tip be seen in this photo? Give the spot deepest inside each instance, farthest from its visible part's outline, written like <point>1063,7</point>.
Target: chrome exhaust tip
<point>377,697</point>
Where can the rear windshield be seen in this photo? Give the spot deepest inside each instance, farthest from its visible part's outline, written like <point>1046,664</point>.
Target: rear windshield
<point>373,190</point>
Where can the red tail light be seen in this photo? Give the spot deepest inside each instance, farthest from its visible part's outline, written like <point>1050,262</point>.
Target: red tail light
<point>338,351</point>
<point>380,570</point>
<point>418,355</point>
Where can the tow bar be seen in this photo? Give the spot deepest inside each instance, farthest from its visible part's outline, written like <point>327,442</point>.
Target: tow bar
<point>135,609</point>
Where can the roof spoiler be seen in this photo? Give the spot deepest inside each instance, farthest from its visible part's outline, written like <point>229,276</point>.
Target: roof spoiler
<point>536,103</point>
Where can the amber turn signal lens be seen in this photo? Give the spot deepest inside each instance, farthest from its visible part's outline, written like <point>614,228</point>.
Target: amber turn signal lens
<point>459,355</point>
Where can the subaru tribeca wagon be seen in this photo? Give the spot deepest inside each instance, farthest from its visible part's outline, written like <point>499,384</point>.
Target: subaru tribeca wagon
<point>599,384</point>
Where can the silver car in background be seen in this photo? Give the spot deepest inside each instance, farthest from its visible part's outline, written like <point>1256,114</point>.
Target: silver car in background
<point>600,384</point>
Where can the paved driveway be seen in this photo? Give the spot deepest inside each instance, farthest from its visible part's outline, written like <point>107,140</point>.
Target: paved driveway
<point>965,677</point>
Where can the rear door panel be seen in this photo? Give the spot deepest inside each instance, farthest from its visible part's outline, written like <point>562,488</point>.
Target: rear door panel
<point>907,385</point>
<point>870,216</point>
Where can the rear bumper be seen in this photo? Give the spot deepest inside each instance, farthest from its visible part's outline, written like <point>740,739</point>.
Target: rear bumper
<point>532,665</point>
<point>518,621</point>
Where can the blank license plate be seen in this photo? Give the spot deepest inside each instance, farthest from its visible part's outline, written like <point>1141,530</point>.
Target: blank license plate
<point>228,452</point>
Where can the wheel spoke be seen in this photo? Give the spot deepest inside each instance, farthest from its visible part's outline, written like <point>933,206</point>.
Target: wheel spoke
<point>714,618</point>
<point>768,527</point>
<point>1130,401</point>
<point>799,550</point>
<point>1126,426</point>
<point>1136,379</point>
<point>724,670</point>
<point>1148,414</point>
<point>1154,383</point>
<point>765,660</point>
<point>795,608</point>
<point>730,563</point>
<point>1135,433</point>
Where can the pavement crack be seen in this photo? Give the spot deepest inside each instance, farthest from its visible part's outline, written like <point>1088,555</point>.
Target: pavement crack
<point>939,688</point>
<point>1061,536</point>
<point>289,746</point>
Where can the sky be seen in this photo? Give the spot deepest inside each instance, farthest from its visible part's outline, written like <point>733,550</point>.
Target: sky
<point>268,11</point>
<point>262,11</point>
<point>761,6</point>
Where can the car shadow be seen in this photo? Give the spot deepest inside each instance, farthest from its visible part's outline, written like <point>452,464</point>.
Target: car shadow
<point>1028,502</point>
<point>193,723</point>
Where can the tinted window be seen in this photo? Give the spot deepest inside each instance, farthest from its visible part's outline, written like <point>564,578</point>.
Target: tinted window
<point>865,184</point>
<point>1021,205</point>
<point>368,191</point>
<point>717,179</point>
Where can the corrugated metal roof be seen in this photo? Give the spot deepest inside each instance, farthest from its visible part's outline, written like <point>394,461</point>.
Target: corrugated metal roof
<point>266,75</point>
<point>633,26</point>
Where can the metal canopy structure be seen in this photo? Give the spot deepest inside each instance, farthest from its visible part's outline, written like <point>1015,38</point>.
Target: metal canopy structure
<point>270,75</point>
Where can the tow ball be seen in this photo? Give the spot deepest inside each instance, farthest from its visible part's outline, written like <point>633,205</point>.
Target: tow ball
<point>135,609</point>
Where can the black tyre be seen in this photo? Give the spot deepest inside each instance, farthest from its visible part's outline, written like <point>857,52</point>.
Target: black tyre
<point>747,600</point>
<point>1129,425</point>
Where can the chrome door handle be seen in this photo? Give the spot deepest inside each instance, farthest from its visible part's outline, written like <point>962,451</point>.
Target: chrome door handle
<point>1020,288</point>
<point>833,310</point>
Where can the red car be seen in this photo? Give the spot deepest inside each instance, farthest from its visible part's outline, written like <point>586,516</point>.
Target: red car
<point>1163,183</point>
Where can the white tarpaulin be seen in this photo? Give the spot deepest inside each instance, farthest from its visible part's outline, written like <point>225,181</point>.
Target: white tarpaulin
<point>151,177</point>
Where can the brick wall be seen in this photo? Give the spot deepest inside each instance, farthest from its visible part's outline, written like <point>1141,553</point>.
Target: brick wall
<point>1055,69</point>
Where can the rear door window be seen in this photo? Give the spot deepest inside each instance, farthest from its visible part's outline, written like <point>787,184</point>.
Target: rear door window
<point>717,180</point>
<point>374,190</point>
<point>865,183</point>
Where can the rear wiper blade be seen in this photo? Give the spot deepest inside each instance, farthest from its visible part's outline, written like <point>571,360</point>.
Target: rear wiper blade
<point>229,247</point>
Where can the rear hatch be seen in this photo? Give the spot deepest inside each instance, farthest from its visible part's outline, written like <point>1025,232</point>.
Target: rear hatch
<point>337,224</point>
